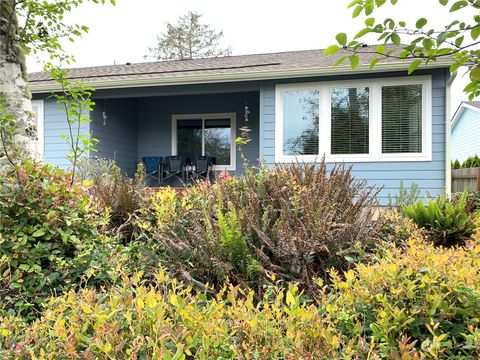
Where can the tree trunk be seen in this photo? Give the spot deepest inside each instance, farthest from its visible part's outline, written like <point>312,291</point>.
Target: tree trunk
<point>14,92</point>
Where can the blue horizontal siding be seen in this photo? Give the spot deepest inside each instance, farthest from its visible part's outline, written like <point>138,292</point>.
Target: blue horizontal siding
<point>466,135</point>
<point>155,120</point>
<point>55,123</point>
<point>117,134</point>
<point>428,175</point>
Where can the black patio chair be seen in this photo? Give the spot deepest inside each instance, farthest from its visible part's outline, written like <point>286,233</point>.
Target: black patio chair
<point>153,167</point>
<point>201,167</point>
<point>174,167</point>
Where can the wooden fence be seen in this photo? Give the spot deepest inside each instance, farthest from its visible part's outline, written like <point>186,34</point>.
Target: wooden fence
<point>466,179</point>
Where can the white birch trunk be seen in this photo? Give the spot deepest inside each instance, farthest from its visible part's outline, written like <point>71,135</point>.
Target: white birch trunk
<point>14,85</point>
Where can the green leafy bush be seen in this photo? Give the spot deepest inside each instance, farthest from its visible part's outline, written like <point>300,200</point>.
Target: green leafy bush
<point>405,196</point>
<point>295,221</point>
<point>418,301</point>
<point>456,165</point>
<point>169,321</point>
<point>89,168</point>
<point>49,230</point>
<point>448,221</point>
<point>471,162</point>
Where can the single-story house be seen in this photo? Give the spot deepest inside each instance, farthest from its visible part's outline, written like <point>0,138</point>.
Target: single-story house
<point>299,106</point>
<point>466,131</point>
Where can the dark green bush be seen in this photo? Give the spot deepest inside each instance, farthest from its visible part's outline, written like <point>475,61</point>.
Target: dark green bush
<point>49,232</point>
<point>471,162</point>
<point>295,221</point>
<point>456,164</point>
<point>449,222</point>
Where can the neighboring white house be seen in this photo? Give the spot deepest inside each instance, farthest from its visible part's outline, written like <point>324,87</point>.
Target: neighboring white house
<point>465,140</point>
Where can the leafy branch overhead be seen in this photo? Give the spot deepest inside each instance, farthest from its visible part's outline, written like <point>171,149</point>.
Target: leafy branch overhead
<point>42,25</point>
<point>189,39</point>
<point>456,43</point>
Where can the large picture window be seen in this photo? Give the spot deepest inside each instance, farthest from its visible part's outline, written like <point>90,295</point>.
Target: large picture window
<point>364,120</point>
<point>208,134</point>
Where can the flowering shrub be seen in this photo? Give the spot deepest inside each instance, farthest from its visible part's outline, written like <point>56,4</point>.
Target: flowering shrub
<point>49,229</point>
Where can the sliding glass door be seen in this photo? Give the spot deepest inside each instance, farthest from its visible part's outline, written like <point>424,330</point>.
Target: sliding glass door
<point>206,135</point>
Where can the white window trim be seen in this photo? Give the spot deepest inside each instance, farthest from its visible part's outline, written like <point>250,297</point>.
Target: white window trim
<point>40,126</point>
<point>375,124</point>
<point>209,116</point>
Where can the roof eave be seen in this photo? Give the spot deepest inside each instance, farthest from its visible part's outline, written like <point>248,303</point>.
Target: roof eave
<point>458,113</point>
<point>38,88</point>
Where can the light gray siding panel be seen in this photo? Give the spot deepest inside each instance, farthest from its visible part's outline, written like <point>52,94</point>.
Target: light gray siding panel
<point>430,176</point>
<point>55,122</point>
<point>466,135</point>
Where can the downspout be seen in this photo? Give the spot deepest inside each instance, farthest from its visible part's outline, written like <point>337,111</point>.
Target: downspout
<point>448,129</point>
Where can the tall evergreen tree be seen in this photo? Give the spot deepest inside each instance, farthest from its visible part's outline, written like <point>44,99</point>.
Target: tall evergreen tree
<point>189,39</point>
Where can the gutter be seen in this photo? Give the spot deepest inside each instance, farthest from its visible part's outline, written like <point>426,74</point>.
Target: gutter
<point>39,87</point>
<point>448,135</point>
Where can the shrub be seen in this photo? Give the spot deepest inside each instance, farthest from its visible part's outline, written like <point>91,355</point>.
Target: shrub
<point>89,168</point>
<point>471,162</point>
<point>418,300</point>
<point>405,196</point>
<point>473,198</point>
<point>394,228</point>
<point>448,221</point>
<point>121,195</point>
<point>295,221</point>
<point>456,165</point>
<point>169,321</point>
<point>49,230</point>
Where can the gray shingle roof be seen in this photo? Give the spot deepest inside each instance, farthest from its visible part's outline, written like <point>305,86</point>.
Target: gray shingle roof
<point>258,64</point>
<point>473,103</point>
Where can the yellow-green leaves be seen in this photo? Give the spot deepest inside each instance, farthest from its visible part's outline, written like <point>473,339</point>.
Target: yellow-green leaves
<point>174,300</point>
<point>332,49</point>
<point>457,5</point>
<point>150,300</point>
<point>411,294</point>
<point>354,60</point>
<point>414,65</point>
<point>420,23</point>
<point>342,39</point>
<point>452,43</point>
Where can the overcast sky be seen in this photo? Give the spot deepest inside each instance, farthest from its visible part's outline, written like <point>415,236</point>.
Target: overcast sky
<point>124,33</point>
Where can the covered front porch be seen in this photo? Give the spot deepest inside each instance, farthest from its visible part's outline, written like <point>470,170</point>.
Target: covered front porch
<point>131,124</point>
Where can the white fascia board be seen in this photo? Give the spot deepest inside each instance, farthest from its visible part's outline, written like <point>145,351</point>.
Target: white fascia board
<point>236,77</point>
<point>460,110</point>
